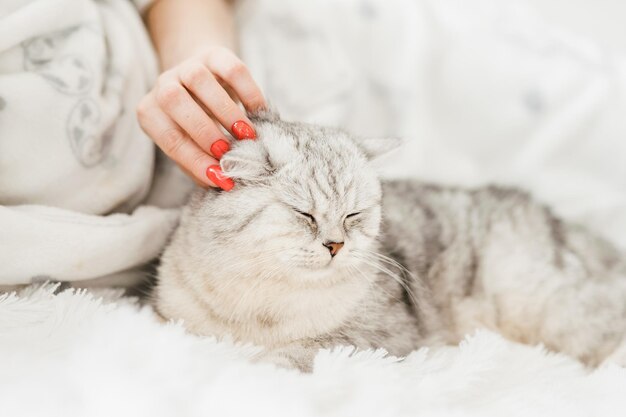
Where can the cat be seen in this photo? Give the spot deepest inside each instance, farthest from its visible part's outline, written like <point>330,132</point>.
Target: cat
<point>311,251</point>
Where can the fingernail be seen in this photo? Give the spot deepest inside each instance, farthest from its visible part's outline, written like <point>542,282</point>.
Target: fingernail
<point>215,174</point>
<point>219,148</point>
<point>242,130</point>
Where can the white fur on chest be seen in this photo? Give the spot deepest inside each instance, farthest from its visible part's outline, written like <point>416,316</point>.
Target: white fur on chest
<point>269,312</point>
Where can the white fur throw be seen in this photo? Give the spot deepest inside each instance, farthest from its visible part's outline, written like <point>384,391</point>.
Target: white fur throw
<point>76,354</point>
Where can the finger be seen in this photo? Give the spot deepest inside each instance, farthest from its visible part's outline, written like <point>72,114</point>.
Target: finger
<point>198,79</point>
<point>229,68</point>
<point>177,103</point>
<point>179,147</point>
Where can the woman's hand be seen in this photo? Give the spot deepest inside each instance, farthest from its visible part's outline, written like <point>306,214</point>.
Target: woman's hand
<point>183,112</point>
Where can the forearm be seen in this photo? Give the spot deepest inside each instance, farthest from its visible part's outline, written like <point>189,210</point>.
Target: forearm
<point>180,28</point>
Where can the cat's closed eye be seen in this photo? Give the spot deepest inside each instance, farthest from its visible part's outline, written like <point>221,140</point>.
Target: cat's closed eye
<point>350,219</point>
<point>308,216</point>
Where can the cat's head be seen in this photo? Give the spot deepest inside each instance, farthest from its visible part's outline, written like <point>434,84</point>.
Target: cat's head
<point>306,203</point>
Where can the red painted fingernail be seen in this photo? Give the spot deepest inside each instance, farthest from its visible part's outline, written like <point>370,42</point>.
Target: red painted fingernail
<point>215,174</point>
<point>242,130</point>
<point>219,148</point>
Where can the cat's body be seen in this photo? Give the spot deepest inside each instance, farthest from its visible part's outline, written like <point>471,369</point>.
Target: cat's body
<point>255,265</point>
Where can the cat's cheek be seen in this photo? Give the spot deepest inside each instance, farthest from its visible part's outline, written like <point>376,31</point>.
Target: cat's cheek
<point>365,229</point>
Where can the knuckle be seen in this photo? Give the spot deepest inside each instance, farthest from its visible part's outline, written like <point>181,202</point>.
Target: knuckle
<point>142,110</point>
<point>167,77</point>
<point>217,52</point>
<point>169,93</point>
<point>235,71</point>
<point>172,140</point>
<point>225,108</point>
<point>194,74</point>
<point>204,130</point>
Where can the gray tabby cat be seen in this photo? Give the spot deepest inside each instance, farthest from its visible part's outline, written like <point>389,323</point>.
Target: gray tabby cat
<point>296,258</point>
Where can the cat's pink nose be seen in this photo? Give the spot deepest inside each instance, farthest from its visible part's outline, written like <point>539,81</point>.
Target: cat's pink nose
<point>333,247</point>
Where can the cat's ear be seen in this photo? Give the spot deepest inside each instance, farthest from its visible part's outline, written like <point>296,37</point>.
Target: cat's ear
<point>248,162</point>
<point>374,148</point>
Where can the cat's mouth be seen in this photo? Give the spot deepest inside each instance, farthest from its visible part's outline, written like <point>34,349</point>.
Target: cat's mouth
<point>334,262</point>
<point>321,266</point>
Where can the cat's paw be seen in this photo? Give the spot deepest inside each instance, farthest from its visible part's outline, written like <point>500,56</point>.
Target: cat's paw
<point>290,358</point>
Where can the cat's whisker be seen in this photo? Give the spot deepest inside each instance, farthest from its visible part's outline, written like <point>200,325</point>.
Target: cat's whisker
<point>386,259</point>
<point>407,275</point>
<point>373,283</point>
<point>370,285</point>
<point>386,271</point>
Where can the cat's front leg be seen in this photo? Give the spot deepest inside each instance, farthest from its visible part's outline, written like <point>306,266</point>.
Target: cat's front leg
<point>296,355</point>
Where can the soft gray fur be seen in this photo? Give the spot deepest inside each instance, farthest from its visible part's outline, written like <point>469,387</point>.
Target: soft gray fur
<point>251,264</point>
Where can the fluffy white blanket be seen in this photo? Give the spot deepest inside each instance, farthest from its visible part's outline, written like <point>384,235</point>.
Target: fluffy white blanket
<point>76,354</point>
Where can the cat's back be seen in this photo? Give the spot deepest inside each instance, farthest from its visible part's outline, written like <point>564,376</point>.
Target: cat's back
<point>445,237</point>
<point>467,245</point>
<point>435,217</point>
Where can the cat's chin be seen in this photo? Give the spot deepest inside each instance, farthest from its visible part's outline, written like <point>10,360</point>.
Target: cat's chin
<point>331,272</point>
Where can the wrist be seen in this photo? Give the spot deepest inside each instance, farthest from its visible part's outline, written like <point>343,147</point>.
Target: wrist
<point>172,54</point>
<point>181,29</point>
